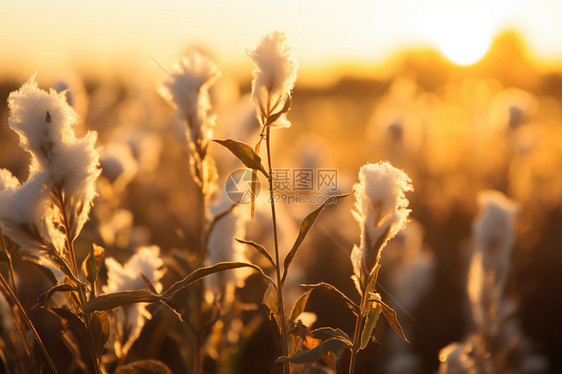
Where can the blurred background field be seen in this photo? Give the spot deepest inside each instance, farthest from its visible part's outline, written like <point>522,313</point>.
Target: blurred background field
<point>455,129</point>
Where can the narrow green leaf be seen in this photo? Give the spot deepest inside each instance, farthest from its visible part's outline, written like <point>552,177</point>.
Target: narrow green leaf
<point>303,357</point>
<point>390,316</point>
<point>306,225</point>
<point>332,290</point>
<point>260,248</point>
<point>370,323</point>
<point>299,306</point>
<point>47,295</point>
<point>205,271</point>
<point>245,153</point>
<point>324,333</point>
<point>117,299</point>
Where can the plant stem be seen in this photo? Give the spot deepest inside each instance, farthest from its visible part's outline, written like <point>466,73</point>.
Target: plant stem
<point>10,263</point>
<point>28,322</point>
<point>280,304</point>
<point>356,336</point>
<point>198,357</point>
<point>81,293</point>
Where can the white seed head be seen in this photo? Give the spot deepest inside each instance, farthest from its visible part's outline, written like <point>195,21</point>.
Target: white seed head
<point>187,89</point>
<point>131,318</point>
<point>45,124</point>
<point>275,73</point>
<point>494,237</point>
<point>381,208</point>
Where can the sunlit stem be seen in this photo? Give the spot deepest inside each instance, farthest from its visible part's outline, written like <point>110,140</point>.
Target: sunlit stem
<point>21,329</point>
<point>8,291</point>
<point>359,325</point>
<point>10,263</point>
<point>356,337</point>
<point>280,304</point>
<point>72,254</point>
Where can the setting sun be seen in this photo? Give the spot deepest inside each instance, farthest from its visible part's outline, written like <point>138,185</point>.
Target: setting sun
<point>463,49</point>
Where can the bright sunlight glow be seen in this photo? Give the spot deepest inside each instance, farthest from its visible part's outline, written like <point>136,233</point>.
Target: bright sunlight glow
<point>464,34</point>
<point>464,49</point>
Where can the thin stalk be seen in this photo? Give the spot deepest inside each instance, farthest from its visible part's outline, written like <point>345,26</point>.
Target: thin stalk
<point>280,304</point>
<point>198,357</point>
<point>81,293</point>
<point>356,336</point>
<point>28,323</point>
<point>10,263</point>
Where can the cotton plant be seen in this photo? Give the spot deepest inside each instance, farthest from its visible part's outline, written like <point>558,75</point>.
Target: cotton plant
<point>495,338</point>
<point>187,90</point>
<point>63,168</point>
<point>222,246</point>
<point>45,214</point>
<point>130,319</point>
<point>494,237</point>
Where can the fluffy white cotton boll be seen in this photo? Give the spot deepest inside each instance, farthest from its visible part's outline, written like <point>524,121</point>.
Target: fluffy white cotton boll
<point>494,237</point>
<point>187,89</point>
<point>381,208</point>
<point>7,181</point>
<point>275,73</point>
<point>26,213</point>
<point>222,247</point>
<point>130,319</point>
<point>188,83</point>
<point>44,122</point>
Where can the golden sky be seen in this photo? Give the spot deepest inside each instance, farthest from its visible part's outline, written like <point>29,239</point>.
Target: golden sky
<point>50,36</point>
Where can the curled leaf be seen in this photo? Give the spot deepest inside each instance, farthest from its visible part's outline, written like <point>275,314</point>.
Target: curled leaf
<point>306,225</point>
<point>261,249</point>
<point>390,316</point>
<point>117,299</point>
<point>202,272</point>
<point>370,324</point>
<point>332,290</point>
<point>91,265</point>
<point>325,333</point>
<point>299,306</point>
<point>245,153</point>
<point>47,295</point>
<point>330,345</point>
